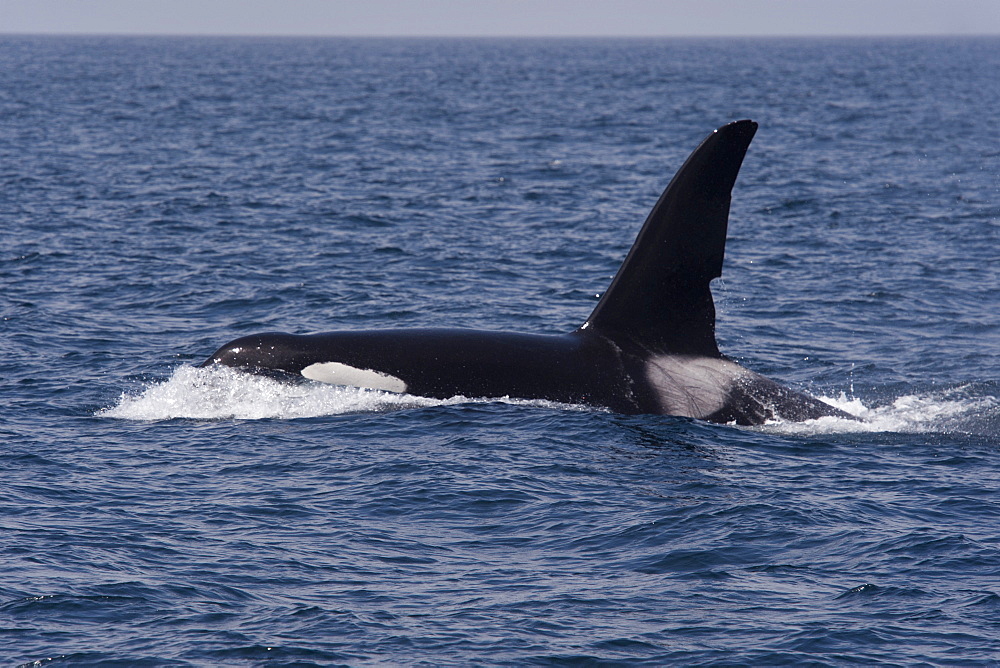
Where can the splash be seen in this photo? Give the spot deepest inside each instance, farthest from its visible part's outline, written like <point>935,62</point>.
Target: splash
<point>957,410</point>
<point>219,392</point>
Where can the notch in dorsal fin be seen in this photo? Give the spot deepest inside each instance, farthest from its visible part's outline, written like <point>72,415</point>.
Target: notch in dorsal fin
<point>660,297</point>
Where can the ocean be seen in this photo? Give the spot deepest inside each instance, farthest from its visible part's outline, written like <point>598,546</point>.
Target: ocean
<point>162,196</point>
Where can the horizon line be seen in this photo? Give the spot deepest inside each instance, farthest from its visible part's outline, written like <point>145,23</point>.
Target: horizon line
<point>290,35</point>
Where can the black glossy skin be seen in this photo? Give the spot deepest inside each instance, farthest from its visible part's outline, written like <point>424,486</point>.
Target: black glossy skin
<point>657,314</point>
<point>575,368</point>
<point>443,363</point>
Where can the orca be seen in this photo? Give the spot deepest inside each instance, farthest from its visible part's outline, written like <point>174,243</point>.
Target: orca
<point>648,347</point>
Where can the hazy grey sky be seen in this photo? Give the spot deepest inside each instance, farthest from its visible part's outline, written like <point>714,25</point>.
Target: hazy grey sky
<point>503,17</point>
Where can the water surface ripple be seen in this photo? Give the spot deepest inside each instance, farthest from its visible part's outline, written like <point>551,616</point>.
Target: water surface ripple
<point>164,195</point>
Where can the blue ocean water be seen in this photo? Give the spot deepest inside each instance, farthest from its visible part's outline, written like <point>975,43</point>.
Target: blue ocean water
<point>162,196</point>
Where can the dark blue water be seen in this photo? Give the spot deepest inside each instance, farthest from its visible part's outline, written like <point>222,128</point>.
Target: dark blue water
<point>163,196</point>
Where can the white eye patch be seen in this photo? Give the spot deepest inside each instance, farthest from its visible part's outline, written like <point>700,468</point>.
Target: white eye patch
<point>336,373</point>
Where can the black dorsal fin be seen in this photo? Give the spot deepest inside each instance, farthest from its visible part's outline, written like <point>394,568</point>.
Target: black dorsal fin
<point>660,297</point>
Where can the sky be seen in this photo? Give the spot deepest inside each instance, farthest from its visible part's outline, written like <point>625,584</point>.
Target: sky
<point>503,17</point>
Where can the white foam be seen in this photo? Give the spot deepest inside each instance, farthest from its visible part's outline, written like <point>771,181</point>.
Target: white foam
<point>219,392</point>
<point>944,411</point>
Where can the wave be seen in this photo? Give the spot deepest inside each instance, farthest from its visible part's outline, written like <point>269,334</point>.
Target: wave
<point>219,392</point>
<point>965,409</point>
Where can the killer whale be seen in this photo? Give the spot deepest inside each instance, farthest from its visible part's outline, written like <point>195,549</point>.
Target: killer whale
<point>648,346</point>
